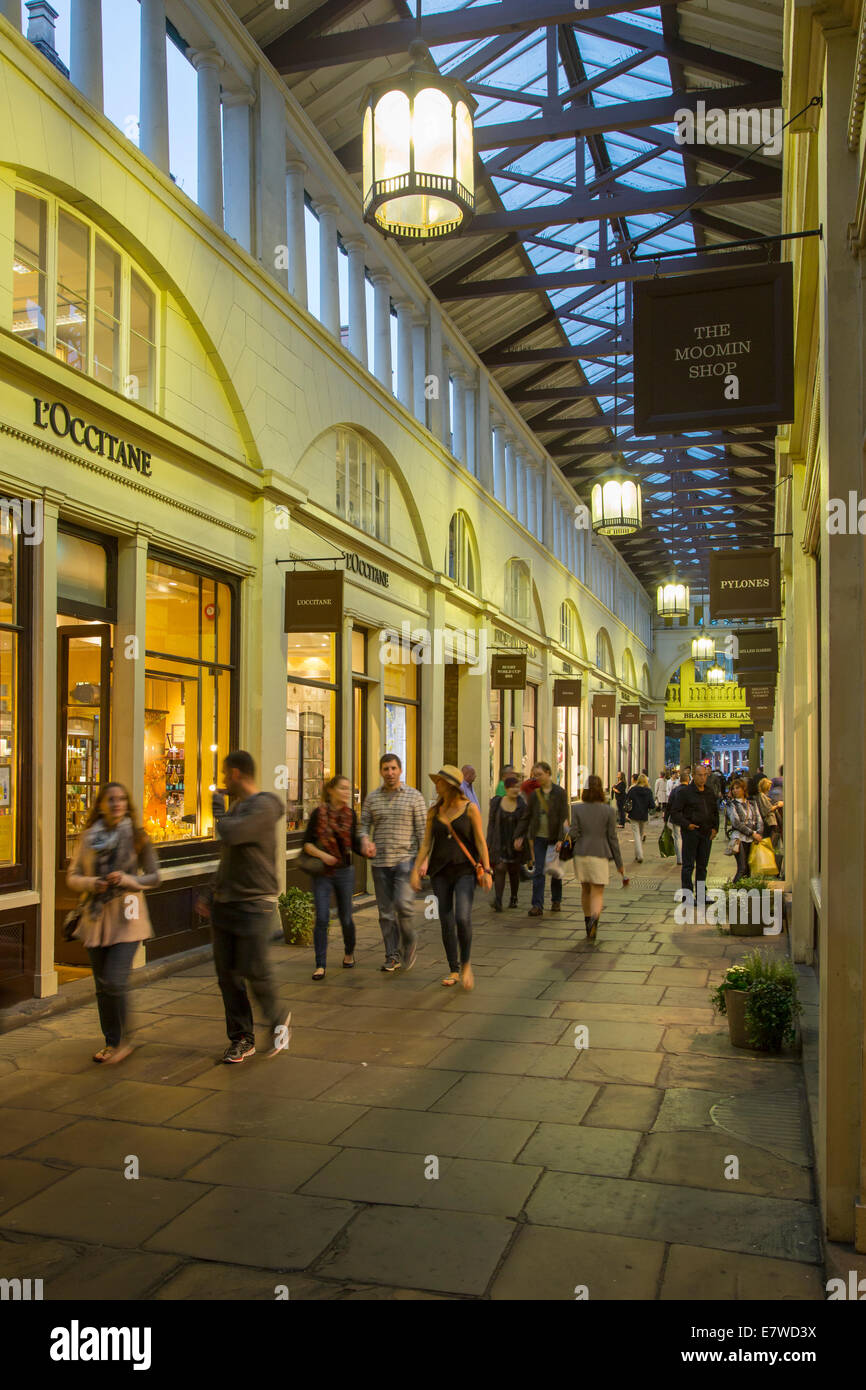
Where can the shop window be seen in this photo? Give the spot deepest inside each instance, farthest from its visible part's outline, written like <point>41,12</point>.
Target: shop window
<point>400,679</point>
<point>189,697</point>
<point>530,705</point>
<point>461,561</point>
<point>311,722</point>
<point>362,485</point>
<point>517,586</point>
<point>97,313</point>
<point>15,705</point>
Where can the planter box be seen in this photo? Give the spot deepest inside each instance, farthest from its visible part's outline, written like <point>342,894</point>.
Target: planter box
<point>736,1001</point>
<point>285,924</point>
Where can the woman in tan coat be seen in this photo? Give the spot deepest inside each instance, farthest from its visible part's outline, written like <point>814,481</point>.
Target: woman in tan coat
<point>107,867</point>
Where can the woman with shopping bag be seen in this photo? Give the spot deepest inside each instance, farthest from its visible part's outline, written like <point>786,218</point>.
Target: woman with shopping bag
<point>748,827</point>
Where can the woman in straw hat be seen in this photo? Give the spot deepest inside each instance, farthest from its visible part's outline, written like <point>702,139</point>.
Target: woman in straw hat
<point>454,853</point>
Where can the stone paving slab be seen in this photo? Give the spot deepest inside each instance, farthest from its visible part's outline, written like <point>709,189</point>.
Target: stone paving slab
<point>102,1207</point>
<point>19,1128</point>
<point>401,1179</point>
<point>423,1132</point>
<point>546,1263</point>
<point>693,1273</point>
<point>520,1099</point>
<point>702,1160</point>
<point>267,1117</point>
<point>274,1230</point>
<point>161,1152</point>
<point>73,1272</point>
<point>605,1064</point>
<point>582,1149</point>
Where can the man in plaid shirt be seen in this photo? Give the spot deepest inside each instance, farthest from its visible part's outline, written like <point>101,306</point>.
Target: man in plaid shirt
<point>393,819</point>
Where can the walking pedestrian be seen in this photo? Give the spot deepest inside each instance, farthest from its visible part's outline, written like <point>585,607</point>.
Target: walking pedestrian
<point>660,791</point>
<point>542,824</point>
<point>466,786</point>
<point>620,792</point>
<point>594,836</point>
<point>697,815</point>
<point>453,837</point>
<point>639,803</point>
<point>673,802</point>
<point>392,828</point>
<point>332,836</point>
<point>501,830</point>
<point>748,827</point>
<point>242,908</point>
<point>770,812</point>
<point>113,917</point>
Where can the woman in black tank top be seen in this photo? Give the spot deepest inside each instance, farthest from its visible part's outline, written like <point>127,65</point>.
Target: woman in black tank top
<point>453,844</point>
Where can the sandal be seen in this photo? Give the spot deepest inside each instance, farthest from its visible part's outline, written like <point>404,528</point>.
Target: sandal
<point>119,1053</point>
<point>103,1054</point>
<point>451,979</point>
<point>318,973</point>
<point>467,979</point>
<point>349,964</point>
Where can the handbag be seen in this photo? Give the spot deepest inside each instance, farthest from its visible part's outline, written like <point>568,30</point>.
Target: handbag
<point>480,870</point>
<point>762,860</point>
<point>666,843</point>
<point>71,922</point>
<point>310,864</point>
<point>566,850</point>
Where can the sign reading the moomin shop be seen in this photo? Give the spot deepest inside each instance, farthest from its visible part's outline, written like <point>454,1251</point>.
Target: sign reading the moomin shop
<point>58,418</point>
<point>714,350</point>
<point>746,583</point>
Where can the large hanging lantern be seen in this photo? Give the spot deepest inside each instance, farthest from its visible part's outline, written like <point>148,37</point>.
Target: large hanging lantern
<point>703,649</point>
<point>419,153</point>
<point>716,675</point>
<point>616,507</point>
<point>672,600</point>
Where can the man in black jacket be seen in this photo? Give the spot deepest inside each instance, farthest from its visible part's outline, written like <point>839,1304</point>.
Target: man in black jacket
<point>697,815</point>
<point>543,822</point>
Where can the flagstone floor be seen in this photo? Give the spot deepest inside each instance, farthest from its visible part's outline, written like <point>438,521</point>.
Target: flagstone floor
<point>418,1142</point>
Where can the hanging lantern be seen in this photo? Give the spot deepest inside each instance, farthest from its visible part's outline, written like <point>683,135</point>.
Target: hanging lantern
<point>419,153</point>
<point>672,600</point>
<point>703,649</point>
<point>616,507</point>
<point>716,675</point>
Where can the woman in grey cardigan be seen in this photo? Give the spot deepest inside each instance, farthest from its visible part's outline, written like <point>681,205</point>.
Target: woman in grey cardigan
<point>115,861</point>
<point>593,834</point>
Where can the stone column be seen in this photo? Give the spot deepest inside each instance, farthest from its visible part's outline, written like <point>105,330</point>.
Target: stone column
<point>329,284</point>
<point>439,385</point>
<point>547,505</point>
<point>11,10</point>
<point>531,518</point>
<point>153,115</point>
<point>208,64</point>
<point>419,364</point>
<point>511,474</point>
<point>270,231</point>
<point>382,326</point>
<point>432,690</point>
<point>297,236</point>
<point>405,377</point>
<point>484,442</point>
<point>85,49</point>
<point>356,250</point>
<point>499,462</point>
<point>458,428</point>
<point>237,165</point>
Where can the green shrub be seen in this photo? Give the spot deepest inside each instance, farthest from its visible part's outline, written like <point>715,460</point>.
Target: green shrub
<point>773,1005</point>
<point>298,915</point>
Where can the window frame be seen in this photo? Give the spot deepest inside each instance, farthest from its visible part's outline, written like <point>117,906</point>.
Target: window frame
<point>368,457</point>
<point>19,875</point>
<point>54,208</point>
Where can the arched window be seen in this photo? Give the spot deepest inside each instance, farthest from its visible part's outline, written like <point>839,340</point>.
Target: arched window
<point>362,484</point>
<point>604,653</point>
<point>568,627</point>
<point>517,589</point>
<point>461,562</point>
<point>79,297</point>
<point>629,675</point>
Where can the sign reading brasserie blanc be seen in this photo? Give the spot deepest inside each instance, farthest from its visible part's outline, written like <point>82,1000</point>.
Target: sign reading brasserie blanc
<point>566,692</point>
<point>714,350</point>
<point>629,714</point>
<point>508,672</point>
<point>314,601</point>
<point>57,417</point>
<point>746,583</point>
<point>757,652</point>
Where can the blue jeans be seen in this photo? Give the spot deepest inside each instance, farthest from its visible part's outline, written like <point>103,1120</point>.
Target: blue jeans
<point>539,850</point>
<point>342,880</point>
<point>395,900</point>
<point>111,966</point>
<point>454,896</point>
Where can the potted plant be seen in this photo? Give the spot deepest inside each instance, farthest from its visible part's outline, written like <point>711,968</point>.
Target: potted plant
<point>297,915</point>
<point>744,885</point>
<point>759,998</point>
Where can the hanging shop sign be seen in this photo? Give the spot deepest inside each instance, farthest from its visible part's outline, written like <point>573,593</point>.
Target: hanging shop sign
<point>566,692</point>
<point>757,677</point>
<point>603,706</point>
<point>747,731</point>
<point>761,709</point>
<point>758,652</point>
<point>58,418</point>
<point>714,350</point>
<point>760,695</point>
<point>508,672</point>
<point>314,601</point>
<point>649,723</point>
<point>355,565</point>
<point>629,714</point>
<point>746,583</point>
<point>675,730</point>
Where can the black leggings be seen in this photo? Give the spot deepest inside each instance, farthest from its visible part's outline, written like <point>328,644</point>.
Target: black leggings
<point>454,896</point>
<point>499,872</point>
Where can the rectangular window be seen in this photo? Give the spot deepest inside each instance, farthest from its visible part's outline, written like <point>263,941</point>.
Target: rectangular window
<point>15,702</point>
<point>530,704</point>
<point>142,343</point>
<point>402,707</point>
<point>190,697</point>
<point>311,721</point>
<point>106,305</point>
<point>73,288</point>
<point>29,270</point>
<point>362,484</point>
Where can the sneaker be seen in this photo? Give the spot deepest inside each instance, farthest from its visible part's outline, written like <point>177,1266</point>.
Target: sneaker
<point>282,1034</point>
<point>536,912</point>
<point>390,966</point>
<point>239,1051</point>
<point>409,960</point>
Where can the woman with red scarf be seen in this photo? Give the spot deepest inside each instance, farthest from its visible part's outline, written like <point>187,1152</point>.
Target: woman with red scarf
<point>332,836</point>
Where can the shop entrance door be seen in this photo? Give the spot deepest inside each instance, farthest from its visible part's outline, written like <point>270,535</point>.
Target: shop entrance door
<point>83,712</point>
<point>359,770</point>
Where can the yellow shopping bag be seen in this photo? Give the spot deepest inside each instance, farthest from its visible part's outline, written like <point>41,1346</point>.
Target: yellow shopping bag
<point>762,860</point>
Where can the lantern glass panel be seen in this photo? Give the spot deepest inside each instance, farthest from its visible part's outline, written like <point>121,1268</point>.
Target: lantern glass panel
<point>465,148</point>
<point>432,132</point>
<point>595,500</point>
<point>392,135</point>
